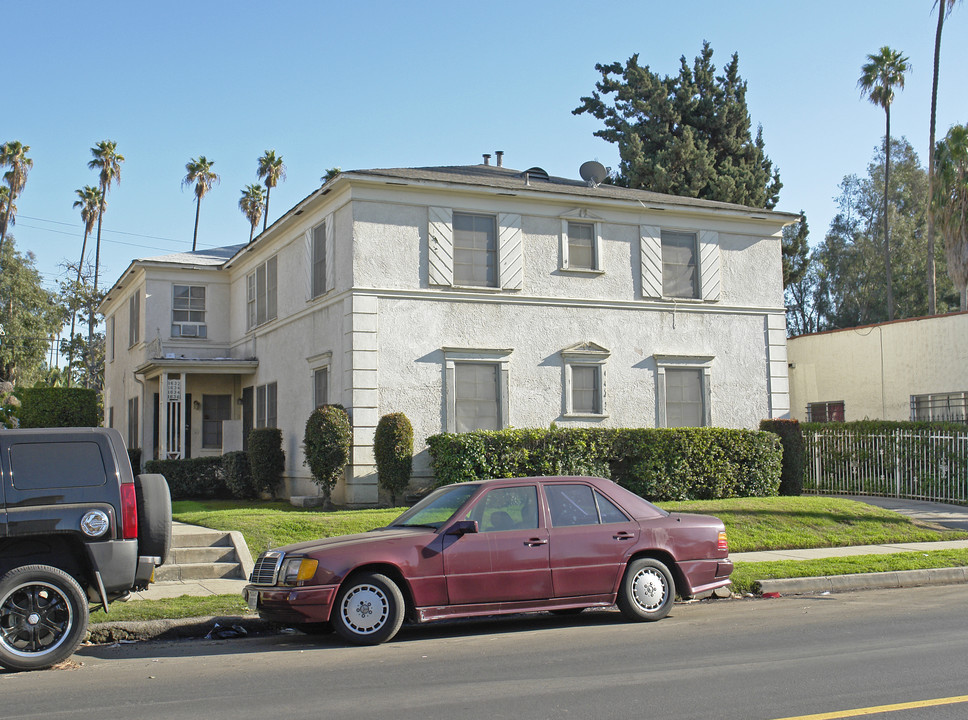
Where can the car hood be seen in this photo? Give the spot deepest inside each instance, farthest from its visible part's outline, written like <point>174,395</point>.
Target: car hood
<point>341,541</point>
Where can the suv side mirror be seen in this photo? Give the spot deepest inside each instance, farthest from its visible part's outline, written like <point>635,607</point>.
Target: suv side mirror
<point>463,527</point>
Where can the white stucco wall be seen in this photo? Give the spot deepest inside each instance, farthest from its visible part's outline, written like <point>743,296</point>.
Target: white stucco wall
<point>875,370</point>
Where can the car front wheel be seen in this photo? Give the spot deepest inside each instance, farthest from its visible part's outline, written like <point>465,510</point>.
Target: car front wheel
<point>369,609</point>
<point>43,617</point>
<point>647,590</point>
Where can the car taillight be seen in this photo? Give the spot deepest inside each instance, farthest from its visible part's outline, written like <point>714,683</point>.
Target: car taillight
<point>721,543</point>
<point>129,512</point>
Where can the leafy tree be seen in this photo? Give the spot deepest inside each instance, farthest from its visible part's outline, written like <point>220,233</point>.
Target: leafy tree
<point>271,170</point>
<point>795,251</point>
<point>330,174</point>
<point>107,162</point>
<point>198,172</point>
<point>950,204</point>
<point>13,154</point>
<point>687,135</point>
<point>326,443</point>
<point>84,358</point>
<point>29,316</point>
<point>944,9</point>
<point>89,202</point>
<point>252,204</point>
<point>879,76</point>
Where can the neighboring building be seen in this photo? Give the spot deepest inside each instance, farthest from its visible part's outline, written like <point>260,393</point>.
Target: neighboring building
<point>914,369</point>
<point>474,297</point>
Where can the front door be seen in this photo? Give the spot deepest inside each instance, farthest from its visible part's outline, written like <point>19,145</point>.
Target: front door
<point>508,559</point>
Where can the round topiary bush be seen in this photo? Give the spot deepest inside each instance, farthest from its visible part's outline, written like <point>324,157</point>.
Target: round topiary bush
<point>327,443</point>
<point>393,448</point>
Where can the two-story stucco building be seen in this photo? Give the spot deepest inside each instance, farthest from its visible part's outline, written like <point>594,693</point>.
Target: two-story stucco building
<point>465,297</point>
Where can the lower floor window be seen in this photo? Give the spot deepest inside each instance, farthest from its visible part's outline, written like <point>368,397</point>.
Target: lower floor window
<point>826,411</point>
<point>215,409</point>
<point>684,398</point>
<point>134,440</point>
<point>265,406</point>
<point>477,396</point>
<point>940,407</point>
<point>320,386</point>
<point>586,389</point>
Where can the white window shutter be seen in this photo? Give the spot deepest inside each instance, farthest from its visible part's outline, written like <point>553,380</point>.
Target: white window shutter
<point>441,246</point>
<point>330,252</point>
<point>709,264</point>
<point>510,251</point>
<point>650,253</point>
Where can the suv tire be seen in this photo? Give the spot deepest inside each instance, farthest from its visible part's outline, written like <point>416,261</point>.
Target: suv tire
<point>154,515</point>
<point>43,617</point>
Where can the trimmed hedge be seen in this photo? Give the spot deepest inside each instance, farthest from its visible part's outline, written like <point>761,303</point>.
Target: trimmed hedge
<point>326,444</point>
<point>657,463</point>
<point>192,477</point>
<point>267,459</point>
<point>393,450</point>
<point>794,454</point>
<point>238,475</point>
<point>58,407</point>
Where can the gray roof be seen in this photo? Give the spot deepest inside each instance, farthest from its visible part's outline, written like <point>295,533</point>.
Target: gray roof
<point>524,180</point>
<point>209,256</point>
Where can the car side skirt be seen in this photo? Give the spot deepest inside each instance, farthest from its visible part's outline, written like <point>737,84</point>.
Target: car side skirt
<point>440,612</point>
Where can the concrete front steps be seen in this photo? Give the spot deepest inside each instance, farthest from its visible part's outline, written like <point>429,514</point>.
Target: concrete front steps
<point>199,554</point>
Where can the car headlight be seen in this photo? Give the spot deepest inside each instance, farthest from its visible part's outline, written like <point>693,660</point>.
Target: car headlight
<point>297,571</point>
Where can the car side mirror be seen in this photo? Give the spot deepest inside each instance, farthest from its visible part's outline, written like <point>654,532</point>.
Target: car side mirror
<point>463,527</point>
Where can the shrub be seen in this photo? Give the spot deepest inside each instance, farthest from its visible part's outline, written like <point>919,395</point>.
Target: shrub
<point>191,478</point>
<point>326,443</point>
<point>58,407</point>
<point>9,406</point>
<point>794,454</point>
<point>134,455</point>
<point>238,475</point>
<point>657,463</point>
<point>393,449</point>
<point>267,460</point>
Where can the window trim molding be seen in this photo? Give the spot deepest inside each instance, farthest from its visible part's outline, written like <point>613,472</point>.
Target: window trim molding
<point>584,354</point>
<point>485,356</point>
<point>664,362</point>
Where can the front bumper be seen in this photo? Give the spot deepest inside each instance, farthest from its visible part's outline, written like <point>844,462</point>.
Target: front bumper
<point>289,604</point>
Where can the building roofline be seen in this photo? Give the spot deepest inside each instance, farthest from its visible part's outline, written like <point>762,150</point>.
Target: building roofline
<point>871,326</point>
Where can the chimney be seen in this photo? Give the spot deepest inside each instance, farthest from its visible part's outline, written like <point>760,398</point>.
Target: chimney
<point>500,157</point>
<point>487,158</point>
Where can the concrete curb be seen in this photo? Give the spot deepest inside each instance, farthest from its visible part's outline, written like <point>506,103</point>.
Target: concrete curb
<point>197,628</point>
<point>866,581</point>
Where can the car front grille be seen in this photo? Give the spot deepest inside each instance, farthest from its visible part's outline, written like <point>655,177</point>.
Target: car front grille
<point>266,570</point>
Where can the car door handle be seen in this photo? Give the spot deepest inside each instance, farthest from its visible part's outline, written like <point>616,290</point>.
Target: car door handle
<point>534,542</point>
<point>622,535</point>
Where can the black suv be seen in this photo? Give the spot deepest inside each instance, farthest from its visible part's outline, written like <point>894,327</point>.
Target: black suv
<point>76,527</point>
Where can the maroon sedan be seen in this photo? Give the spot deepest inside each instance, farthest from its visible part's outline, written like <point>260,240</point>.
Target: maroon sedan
<point>559,544</point>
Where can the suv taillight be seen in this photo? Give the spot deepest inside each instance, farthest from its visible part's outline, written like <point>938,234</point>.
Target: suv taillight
<point>129,512</point>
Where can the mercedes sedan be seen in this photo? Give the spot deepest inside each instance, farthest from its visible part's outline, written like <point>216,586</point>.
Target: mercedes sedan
<point>558,544</point>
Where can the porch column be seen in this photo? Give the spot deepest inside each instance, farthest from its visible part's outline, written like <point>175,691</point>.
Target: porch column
<point>171,416</point>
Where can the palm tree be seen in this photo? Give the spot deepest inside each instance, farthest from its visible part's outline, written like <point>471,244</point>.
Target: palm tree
<point>251,204</point>
<point>13,154</point>
<point>272,171</point>
<point>949,204</point>
<point>89,202</point>
<point>944,9</point>
<point>199,172</point>
<point>879,76</point>
<point>107,161</point>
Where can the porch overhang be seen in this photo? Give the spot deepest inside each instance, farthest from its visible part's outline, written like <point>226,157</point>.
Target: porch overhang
<point>155,367</point>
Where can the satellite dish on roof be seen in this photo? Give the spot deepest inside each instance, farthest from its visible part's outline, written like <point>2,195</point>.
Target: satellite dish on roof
<point>593,172</point>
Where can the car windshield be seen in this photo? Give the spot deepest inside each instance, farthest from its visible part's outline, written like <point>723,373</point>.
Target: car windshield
<point>437,508</point>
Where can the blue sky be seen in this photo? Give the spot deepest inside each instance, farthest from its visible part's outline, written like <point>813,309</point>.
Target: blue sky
<point>393,84</point>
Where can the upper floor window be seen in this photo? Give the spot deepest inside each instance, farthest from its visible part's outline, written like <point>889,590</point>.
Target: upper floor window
<point>680,270</point>
<point>188,311</point>
<point>475,250</point>
<point>580,246</point>
<point>261,293</point>
<point>109,338</point>
<point>319,259</point>
<point>134,318</point>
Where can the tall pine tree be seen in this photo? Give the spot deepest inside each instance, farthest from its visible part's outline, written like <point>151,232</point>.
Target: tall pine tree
<point>686,135</point>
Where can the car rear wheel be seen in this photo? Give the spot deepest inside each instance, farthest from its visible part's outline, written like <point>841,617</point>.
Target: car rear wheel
<point>647,590</point>
<point>369,609</point>
<point>43,617</point>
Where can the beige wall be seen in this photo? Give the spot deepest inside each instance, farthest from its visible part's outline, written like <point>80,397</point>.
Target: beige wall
<point>874,370</point>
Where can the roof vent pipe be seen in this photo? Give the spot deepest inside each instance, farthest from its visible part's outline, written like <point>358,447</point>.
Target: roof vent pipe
<point>500,157</point>
<point>487,158</point>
